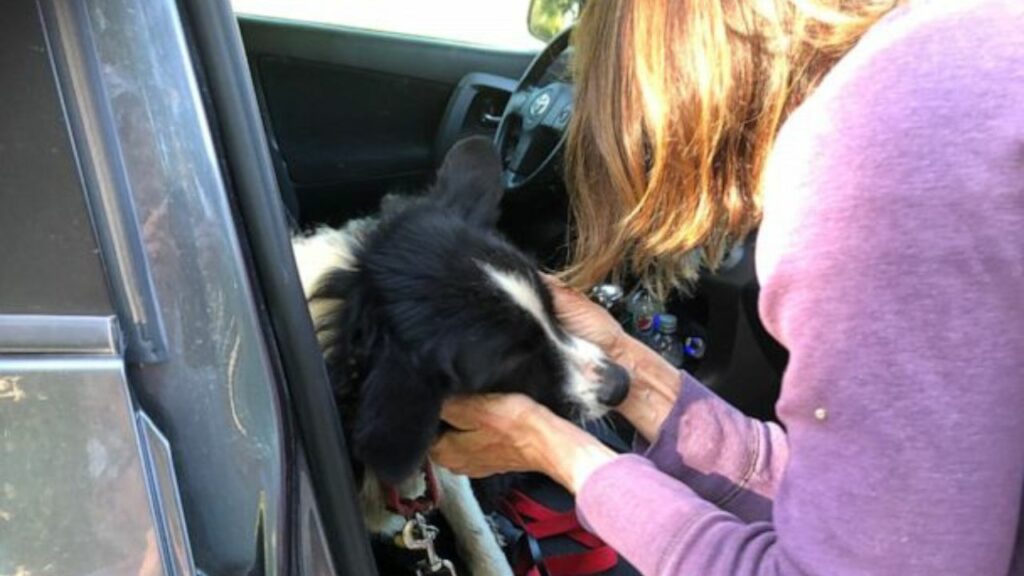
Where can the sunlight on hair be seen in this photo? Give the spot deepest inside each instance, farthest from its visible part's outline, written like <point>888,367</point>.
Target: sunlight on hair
<point>677,107</point>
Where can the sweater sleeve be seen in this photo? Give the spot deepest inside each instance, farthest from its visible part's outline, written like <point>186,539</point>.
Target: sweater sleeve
<point>892,265</point>
<point>728,459</point>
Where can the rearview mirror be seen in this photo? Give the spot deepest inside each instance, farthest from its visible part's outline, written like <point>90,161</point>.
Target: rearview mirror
<point>549,17</point>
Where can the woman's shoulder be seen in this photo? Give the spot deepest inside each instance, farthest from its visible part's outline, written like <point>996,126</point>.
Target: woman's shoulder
<point>914,142</point>
<point>932,84</point>
<point>947,18</point>
<point>924,50</point>
<point>958,26</point>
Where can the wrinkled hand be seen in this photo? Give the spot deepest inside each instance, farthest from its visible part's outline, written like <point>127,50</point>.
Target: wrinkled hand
<point>493,434</point>
<point>497,433</point>
<point>586,319</point>
<point>654,383</point>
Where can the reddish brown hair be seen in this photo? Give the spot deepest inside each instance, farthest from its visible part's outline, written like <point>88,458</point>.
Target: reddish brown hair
<point>677,106</point>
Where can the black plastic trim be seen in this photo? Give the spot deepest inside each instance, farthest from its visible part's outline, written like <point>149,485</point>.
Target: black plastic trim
<point>219,46</point>
<point>464,98</point>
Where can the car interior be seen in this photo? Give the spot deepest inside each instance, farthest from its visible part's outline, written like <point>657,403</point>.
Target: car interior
<point>352,115</point>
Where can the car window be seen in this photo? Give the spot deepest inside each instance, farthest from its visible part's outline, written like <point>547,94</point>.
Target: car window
<point>497,23</point>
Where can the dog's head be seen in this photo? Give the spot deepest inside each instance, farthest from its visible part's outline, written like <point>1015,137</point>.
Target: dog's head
<point>439,304</point>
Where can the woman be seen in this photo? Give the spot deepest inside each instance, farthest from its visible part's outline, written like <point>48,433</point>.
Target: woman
<point>885,145</point>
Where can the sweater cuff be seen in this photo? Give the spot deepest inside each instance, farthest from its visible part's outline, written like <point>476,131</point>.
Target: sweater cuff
<point>630,492</point>
<point>665,440</point>
<point>711,447</point>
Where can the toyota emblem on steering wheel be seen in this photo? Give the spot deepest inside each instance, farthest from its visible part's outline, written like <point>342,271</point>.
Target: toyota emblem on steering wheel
<point>540,105</point>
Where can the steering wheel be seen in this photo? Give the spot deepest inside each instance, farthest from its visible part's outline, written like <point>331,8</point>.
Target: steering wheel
<point>532,130</point>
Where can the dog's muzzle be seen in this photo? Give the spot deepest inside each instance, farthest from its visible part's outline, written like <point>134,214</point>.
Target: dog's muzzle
<point>614,384</point>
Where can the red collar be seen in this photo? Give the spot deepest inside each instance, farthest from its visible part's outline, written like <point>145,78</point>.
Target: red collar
<point>406,507</point>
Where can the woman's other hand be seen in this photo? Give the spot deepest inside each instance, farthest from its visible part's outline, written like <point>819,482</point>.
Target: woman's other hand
<point>654,383</point>
<point>499,433</point>
<point>586,319</point>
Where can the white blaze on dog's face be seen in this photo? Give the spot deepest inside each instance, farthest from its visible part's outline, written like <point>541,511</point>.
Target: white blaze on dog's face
<point>595,383</point>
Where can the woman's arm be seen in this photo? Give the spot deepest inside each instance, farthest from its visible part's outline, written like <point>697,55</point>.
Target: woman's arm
<point>731,460</point>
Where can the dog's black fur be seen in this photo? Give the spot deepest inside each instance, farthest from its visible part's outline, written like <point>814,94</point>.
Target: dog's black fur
<point>421,321</point>
<point>418,319</point>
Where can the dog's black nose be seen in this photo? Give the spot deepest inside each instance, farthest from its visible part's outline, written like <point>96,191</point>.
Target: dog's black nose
<point>614,384</point>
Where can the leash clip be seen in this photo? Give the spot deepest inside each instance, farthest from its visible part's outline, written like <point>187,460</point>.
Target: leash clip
<point>417,534</point>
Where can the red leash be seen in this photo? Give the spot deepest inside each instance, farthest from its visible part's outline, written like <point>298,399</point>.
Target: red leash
<point>539,522</point>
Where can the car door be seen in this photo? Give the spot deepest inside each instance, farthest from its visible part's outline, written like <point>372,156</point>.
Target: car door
<point>88,478</point>
<point>144,425</point>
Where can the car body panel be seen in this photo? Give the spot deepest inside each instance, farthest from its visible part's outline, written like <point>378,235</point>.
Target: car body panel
<point>164,453</point>
<point>132,95</point>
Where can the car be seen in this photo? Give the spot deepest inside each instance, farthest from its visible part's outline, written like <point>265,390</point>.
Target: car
<point>164,408</point>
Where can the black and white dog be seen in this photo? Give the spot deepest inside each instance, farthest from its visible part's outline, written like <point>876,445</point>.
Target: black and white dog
<point>427,301</point>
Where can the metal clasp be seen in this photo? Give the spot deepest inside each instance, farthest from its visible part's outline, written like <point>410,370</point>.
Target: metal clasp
<point>417,534</point>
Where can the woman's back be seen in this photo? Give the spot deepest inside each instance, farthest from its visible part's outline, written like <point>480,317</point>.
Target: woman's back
<point>892,259</point>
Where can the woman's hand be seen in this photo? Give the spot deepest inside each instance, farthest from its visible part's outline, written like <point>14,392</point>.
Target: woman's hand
<point>512,433</point>
<point>493,434</point>
<point>654,383</point>
<point>586,319</point>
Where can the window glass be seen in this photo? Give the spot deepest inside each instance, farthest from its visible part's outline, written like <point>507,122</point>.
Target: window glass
<point>498,23</point>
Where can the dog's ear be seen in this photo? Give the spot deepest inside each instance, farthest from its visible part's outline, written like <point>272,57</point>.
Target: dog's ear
<point>398,417</point>
<point>469,181</point>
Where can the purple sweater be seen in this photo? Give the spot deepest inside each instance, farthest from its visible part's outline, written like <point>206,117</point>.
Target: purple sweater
<point>891,258</point>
